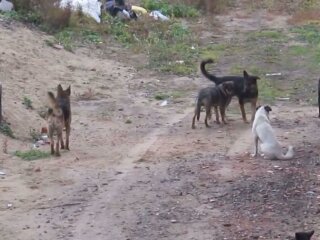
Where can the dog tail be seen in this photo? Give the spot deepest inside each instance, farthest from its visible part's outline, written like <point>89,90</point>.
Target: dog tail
<point>208,75</point>
<point>289,154</point>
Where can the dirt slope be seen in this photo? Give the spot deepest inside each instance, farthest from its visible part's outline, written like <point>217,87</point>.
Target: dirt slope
<point>154,178</point>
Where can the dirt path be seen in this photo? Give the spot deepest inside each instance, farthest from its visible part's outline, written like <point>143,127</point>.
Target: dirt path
<point>137,170</point>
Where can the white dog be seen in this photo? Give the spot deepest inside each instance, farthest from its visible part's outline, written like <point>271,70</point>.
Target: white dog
<point>263,132</point>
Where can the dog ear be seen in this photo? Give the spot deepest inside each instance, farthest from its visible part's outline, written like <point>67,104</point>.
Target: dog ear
<point>68,90</point>
<point>267,108</point>
<point>59,89</point>
<point>304,235</point>
<point>52,99</point>
<point>258,107</point>
<point>245,74</point>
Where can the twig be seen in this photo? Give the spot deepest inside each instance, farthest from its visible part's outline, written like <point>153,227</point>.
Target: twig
<point>61,205</point>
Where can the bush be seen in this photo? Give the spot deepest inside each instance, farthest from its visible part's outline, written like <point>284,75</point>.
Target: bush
<point>43,12</point>
<point>33,154</point>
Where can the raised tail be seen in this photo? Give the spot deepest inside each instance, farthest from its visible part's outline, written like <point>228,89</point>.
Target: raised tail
<point>208,75</point>
<point>288,155</point>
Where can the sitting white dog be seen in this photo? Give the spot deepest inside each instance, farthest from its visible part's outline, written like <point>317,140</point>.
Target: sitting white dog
<point>263,132</point>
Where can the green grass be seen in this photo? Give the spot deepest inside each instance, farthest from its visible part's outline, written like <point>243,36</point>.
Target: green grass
<point>6,130</point>
<point>267,91</point>
<point>214,51</point>
<point>308,33</point>
<point>170,9</point>
<point>299,50</point>
<point>27,102</point>
<point>33,154</point>
<point>161,96</point>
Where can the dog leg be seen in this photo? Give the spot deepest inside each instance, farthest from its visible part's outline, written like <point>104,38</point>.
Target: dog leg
<point>217,114</point>
<point>208,112</point>
<point>255,145</point>
<point>243,112</point>
<point>58,144</point>
<point>193,121</point>
<point>68,130</point>
<point>223,114</point>
<point>62,143</point>
<point>52,146</point>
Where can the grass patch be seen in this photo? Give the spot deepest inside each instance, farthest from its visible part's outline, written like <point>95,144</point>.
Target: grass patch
<point>267,91</point>
<point>214,51</point>
<point>267,34</point>
<point>33,154</point>
<point>27,102</point>
<point>170,9</point>
<point>161,96</point>
<point>6,129</point>
<point>299,50</point>
<point>308,33</point>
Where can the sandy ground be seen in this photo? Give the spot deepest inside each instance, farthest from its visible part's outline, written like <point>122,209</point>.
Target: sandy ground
<point>153,178</point>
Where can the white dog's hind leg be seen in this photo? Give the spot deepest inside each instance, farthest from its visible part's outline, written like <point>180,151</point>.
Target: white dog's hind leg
<point>255,151</point>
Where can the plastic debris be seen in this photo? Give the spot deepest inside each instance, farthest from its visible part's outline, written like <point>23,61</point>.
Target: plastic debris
<point>6,6</point>
<point>158,15</point>
<point>274,74</point>
<point>164,103</point>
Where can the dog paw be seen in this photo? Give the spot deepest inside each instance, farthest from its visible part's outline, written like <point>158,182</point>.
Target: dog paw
<point>57,154</point>
<point>253,154</point>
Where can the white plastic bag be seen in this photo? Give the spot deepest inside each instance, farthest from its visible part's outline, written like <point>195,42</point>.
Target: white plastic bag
<point>91,8</point>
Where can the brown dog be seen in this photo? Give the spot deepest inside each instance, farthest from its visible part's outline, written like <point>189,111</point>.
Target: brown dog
<point>219,96</point>
<point>55,123</point>
<point>63,99</point>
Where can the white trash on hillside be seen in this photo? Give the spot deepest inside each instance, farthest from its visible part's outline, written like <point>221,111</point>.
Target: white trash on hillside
<point>6,6</point>
<point>91,8</point>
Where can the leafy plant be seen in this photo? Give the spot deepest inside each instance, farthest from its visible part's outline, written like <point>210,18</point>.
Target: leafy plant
<point>6,130</point>
<point>33,154</point>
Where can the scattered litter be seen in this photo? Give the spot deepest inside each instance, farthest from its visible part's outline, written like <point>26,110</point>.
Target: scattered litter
<point>158,15</point>
<point>57,46</point>
<point>139,10</point>
<point>91,8</point>
<point>173,221</point>
<point>283,98</point>
<point>273,74</point>
<point>270,172</point>
<point>164,103</point>
<point>2,173</point>
<point>180,61</point>
<point>193,48</point>
<point>6,6</point>
<point>9,205</point>
<point>310,193</point>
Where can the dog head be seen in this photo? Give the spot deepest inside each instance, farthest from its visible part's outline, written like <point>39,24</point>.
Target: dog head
<point>63,93</point>
<point>250,81</point>
<point>54,109</point>
<point>266,108</point>
<point>304,235</point>
<point>228,87</point>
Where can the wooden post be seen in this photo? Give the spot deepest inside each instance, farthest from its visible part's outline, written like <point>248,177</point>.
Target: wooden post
<point>0,103</point>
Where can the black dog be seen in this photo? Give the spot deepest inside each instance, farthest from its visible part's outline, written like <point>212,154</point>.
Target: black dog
<point>304,235</point>
<point>245,88</point>
<point>219,96</point>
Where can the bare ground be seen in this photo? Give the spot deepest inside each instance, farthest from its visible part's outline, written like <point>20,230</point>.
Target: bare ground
<point>153,178</point>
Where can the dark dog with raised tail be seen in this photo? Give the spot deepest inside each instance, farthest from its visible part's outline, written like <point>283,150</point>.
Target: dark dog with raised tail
<point>245,87</point>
